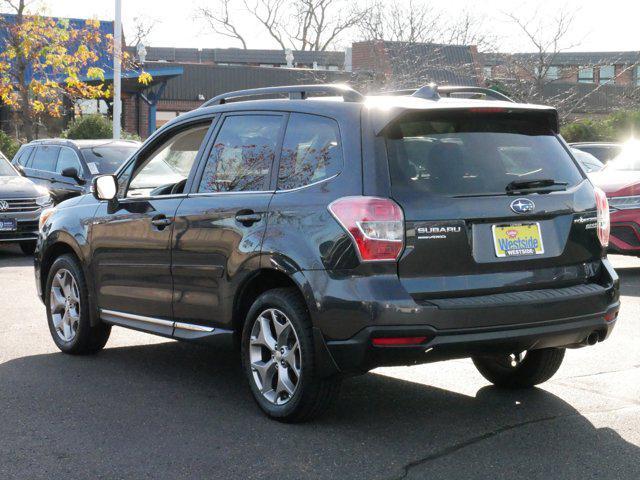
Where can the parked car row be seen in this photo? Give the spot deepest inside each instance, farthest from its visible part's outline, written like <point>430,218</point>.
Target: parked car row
<point>65,167</point>
<point>47,172</point>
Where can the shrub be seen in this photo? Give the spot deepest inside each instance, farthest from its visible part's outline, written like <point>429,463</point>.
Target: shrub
<point>583,131</point>
<point>8,145</point>
<point>91,127</point>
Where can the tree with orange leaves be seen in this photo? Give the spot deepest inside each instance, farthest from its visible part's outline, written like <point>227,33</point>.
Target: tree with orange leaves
<point>43,61</point>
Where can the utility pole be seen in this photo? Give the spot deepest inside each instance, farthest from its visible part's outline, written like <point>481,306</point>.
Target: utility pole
<point>117,66</point>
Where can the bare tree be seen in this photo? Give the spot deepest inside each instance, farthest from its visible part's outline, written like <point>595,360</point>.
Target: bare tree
<point>221,22</point>
<point>400,22</point>
<point>315,25</point>
<point>142,28</point>
<point>548,37</point>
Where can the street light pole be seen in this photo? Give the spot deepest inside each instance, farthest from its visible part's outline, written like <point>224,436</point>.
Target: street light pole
<point>117,65</point>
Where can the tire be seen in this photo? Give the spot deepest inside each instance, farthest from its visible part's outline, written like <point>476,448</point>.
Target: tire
<point>311,395</point>
<point>28,247</point>
<point>507,371</point>
<point>78,337</point>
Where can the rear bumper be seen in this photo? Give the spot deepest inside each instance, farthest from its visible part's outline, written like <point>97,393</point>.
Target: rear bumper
<point>352,314</point>
<point>358,354</point>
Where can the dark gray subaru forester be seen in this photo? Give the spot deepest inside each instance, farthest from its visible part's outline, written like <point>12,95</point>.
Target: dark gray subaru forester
<point>333,235</point>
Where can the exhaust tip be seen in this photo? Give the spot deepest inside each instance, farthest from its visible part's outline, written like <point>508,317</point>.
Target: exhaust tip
<point>592,339</point>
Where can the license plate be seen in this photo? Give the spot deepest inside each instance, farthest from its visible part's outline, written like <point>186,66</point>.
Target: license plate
<point>517,240</point>
<point>8,225</point>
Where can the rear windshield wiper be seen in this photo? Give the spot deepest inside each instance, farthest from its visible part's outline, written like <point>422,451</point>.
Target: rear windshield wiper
<point>535,185</point>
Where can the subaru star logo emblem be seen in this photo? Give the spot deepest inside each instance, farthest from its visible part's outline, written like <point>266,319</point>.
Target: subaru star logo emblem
<point>4,206</point>
<point>522,205</point>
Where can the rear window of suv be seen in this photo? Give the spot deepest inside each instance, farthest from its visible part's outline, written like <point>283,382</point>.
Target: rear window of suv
<point>467,154</point>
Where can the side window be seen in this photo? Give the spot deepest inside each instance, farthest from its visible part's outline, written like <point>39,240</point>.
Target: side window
<point>311,151</point>
<point>22,157</point>
<point>242,154</point>
<point>168,165</point>
<point>45,158</point>
<point>68,159</point>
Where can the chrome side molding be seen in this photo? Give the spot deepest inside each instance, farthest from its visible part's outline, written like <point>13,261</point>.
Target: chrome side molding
<point>133,320</point>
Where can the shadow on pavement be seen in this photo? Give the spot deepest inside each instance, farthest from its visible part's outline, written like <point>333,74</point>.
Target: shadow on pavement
<point>172,410</point>
<point>629,281</point>
<point>12,256</point>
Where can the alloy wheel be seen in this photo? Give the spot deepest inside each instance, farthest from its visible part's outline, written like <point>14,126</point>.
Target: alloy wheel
<point>65,305</point>
<point>275,356</point>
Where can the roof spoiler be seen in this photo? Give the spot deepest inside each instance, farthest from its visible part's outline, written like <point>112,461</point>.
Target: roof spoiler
<point>547,115</point>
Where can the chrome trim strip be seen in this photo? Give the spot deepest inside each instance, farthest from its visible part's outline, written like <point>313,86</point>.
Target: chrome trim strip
<point>285,190</point>
<point>147,197</point>
<point>155,321</point>
<point>31,199</point>
<point>139,318</point>
<point>16,239</point>
<point>241,192</point>
<point>195,328</point>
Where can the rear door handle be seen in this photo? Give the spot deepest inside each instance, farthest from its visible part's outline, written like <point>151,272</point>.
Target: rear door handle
<point>161,222</point>
<point>248,217</point>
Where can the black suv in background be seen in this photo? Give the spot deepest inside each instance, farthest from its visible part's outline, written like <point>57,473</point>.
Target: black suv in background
<point>65,167</point>
<point>333,236</point>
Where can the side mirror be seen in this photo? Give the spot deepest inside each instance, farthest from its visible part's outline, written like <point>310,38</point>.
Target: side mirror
<point>105,187</point>
<point>72,172</point>
<point>20,170</point>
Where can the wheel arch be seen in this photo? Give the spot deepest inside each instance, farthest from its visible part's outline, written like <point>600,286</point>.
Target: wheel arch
<point>261,281</point>
<point>65,244</point>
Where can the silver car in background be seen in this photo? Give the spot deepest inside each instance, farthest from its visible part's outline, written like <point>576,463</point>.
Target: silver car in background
<point>21,203</point>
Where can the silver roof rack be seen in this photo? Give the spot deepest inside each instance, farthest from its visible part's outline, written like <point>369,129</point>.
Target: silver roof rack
<point>295,92</point>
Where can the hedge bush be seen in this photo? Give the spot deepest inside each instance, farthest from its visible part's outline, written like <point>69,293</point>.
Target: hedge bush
<point>8,145</point>
<point>91,127</point>
<point>617,127</point>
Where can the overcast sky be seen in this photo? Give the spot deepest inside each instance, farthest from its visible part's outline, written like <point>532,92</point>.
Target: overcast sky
<point>599,25</point>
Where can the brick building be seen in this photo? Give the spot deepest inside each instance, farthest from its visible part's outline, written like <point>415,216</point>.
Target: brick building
<point>602,68</point>
<point>179,87</point>
<point>404,65</point>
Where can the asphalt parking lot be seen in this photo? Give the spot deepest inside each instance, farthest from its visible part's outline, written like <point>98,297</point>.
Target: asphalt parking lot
<point>147,407</point>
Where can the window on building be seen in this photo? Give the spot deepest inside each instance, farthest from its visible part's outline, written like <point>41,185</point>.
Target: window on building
<point>163,117</point>
<point>607,74</point>
<point>242,154</point>
<point>486,71</point>
<point>585,75</point>
<point>553,73</point>
<point>311,151</point>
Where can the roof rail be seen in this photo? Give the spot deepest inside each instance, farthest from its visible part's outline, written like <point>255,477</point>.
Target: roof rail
<point>435,92</point>
<point>295,92</point>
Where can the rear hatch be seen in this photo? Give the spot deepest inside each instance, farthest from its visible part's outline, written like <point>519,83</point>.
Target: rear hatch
<point>493,203</point>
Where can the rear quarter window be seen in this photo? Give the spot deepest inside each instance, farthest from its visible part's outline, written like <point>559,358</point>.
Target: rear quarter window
<point>469,154</point>
<point>311,151</point>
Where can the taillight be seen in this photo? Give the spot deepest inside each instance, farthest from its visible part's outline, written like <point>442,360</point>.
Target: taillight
<point>604,223</point>
<point>376,225</point>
